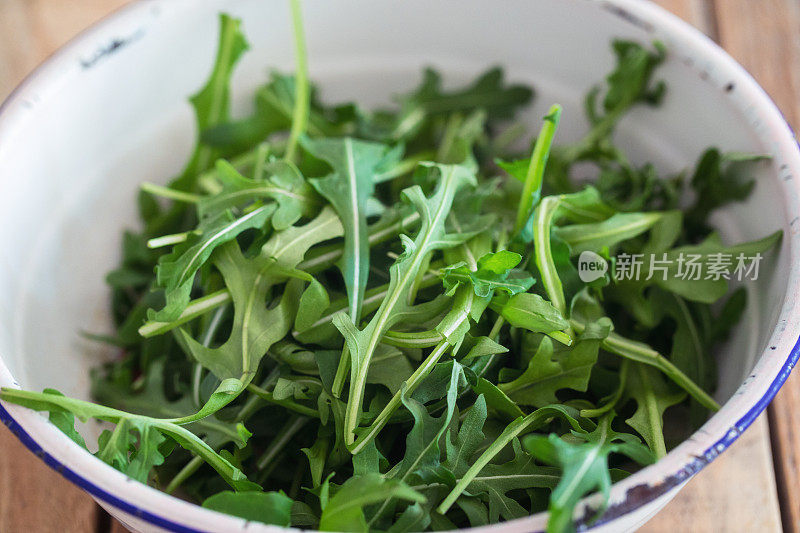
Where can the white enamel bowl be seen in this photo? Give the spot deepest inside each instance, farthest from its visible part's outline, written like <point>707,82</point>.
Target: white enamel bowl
<point>109,111</point>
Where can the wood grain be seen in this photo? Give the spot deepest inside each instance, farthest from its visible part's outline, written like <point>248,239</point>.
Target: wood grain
<point>34,498</point>
<point>698,13</point>
<point>764,37</point>
<point>736,492</point>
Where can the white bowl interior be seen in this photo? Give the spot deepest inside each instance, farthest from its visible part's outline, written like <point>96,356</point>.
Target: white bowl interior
<point>88,135</point>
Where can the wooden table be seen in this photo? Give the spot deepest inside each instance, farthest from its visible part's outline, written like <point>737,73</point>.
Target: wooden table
<point>755,486</point>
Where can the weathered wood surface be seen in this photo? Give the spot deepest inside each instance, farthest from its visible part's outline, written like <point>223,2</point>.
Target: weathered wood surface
<point>764,36</point>
<point>735,493</point>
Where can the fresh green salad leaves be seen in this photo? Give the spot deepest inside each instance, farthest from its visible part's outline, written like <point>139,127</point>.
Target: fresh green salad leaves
<point>354,320</point>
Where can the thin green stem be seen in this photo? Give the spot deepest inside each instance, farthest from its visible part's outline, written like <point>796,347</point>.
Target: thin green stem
<point>514,429</point>
<point>288,404</point>
<point>408,387</point>
<point>637,351</point>
<point>532,188</point>
<point>172,194</point>
<point>301,87</point>
<point>195,309</point>
<point>421,339</point>
<point>543,219</point>
<point>169,240</point>
<point>184,474</point>
<point>283,437</point>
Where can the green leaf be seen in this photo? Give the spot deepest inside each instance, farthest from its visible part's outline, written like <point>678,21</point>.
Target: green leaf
<point>65,421</point>
<point>284,184</point>
<point>429,100</point>
<point>608,233</point>
<point>424,441</point>
<point>348,188</point>
<point>432,236</point>
<point>522,472</point>
<point>151,401</point>
<point>533,313</point>
<point>176,271</point>
<point>390,367</point>
<point>413,518</point>
<point>211,104</point>
<point>549,371</point>
<point>495,397</point>
<point>115,450</point>
<point>312,305</point>
<point>653,396</point>
<point>345,509</point>
<point>628,83</point>
<point>495,272</point>
<point>584,466</point>
<point>527,423</point>
<point>718,180</point>
<point>705,290</point>
<point>256,327</point>
<point>266,507</point>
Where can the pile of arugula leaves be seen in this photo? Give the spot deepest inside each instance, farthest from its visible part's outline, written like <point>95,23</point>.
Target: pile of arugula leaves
<point>356,320</point>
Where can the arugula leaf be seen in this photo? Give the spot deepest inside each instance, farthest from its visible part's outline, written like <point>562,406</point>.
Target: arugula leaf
<point>176,271</point>
<point>255,327</point>
<point>584,466</point>
<point>431,236</point>
<point>152,401</point>
<point>115,449</point>
<point>488,92</point>
<point>718,180</point>
<point>344,511</point>
<point>211,104</point>
<point>653,396</point>
<point>65,421</point>
<point>531,312</point>
<point>266,507</point>
<point>549,371</point>
<point>355,165</point>
<point>284,184</point>
<point>521,472</point>
<point>608,233</point>
<point>494,272</point>
<point>511,432</point>
<point>705,290</point>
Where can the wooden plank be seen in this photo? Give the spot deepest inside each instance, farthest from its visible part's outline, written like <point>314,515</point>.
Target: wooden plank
<point>35,498</point>
<point>699,13</point>
<point>764,37</point>
<point>736,492</point>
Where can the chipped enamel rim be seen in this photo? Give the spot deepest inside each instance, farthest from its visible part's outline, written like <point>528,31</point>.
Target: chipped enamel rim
<point>114,489</point>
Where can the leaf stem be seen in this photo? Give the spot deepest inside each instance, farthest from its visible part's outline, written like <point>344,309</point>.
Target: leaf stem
<point>172,194</point>
<point>283,437</point>
<point>509,433</point>
<point>288,404</point>
<point>301,87</point>
<point>408,387</point>
<point>543,219</point>
<point>532,188</point>
<point>195,308</point>
<point>642,353</point>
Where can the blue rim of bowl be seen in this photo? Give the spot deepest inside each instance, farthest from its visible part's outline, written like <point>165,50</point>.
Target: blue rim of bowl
<point>635,497</point>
